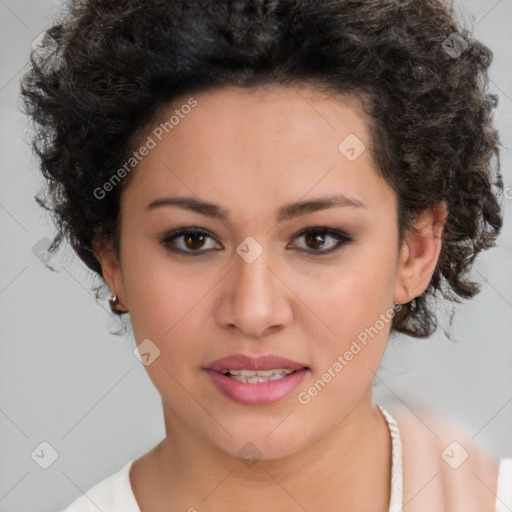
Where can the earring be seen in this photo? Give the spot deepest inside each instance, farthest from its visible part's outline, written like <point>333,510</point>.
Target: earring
<point>113,301</point>
<point>412,303</point>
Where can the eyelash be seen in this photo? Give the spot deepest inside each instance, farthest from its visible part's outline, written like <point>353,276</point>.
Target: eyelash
<point>341,237</point>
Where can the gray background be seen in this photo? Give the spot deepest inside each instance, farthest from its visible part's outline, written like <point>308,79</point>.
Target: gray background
<point>66,380</point>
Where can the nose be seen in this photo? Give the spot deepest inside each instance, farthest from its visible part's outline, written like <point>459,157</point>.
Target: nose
<point>255,299</point>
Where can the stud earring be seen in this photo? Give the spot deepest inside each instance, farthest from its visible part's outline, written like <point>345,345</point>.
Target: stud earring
<point>113,301</point>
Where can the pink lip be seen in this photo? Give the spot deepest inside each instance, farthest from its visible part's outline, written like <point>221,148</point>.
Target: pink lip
<point>266,362</point>
<point>261,393</point>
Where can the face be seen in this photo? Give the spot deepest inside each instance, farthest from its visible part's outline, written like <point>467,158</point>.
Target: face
<point>260,280</point>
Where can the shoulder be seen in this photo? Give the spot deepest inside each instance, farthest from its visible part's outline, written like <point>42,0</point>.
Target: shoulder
<point>112,494</point>
<point>444,465</point>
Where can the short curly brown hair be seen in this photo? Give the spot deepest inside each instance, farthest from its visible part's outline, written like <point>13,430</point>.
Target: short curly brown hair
<point>115,65</point>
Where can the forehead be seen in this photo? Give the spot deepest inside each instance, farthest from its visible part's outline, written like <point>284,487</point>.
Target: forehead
<point>265,142</point>
<point>290,112</point>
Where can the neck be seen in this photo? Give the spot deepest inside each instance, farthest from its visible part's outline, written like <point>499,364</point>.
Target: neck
<point>350,466</point>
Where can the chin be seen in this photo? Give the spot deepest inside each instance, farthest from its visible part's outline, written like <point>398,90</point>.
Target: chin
<point>261,446</point>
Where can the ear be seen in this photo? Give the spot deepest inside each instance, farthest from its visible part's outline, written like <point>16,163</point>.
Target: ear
<point>419,254</point>
<point>111,268</point>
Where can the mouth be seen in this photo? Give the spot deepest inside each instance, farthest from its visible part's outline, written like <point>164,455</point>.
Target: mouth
<point>256,380</point>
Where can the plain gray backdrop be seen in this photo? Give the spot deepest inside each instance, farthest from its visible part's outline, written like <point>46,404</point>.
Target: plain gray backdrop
<point>66,381</point>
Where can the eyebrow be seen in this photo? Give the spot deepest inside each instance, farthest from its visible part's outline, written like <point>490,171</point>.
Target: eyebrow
<point>286,212</point>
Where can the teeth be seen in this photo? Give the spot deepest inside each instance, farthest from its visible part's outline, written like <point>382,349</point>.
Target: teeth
<point>258,373</point>
<point>257,376</point>
<point>257,380</point>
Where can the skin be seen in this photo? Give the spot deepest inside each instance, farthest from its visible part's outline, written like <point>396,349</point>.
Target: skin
<point>252,151</point>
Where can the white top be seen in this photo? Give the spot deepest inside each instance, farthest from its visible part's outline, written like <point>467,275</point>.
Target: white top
<point>504,496</point>
<point>114,493</point>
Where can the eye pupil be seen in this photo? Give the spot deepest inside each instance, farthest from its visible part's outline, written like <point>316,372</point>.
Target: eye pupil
<point>194,236</point>
<point>318,239</point>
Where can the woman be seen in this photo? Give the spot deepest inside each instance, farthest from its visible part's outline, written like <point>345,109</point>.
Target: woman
<point>270,189</point>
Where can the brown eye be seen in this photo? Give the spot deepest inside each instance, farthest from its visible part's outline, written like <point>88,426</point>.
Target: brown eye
<point>316,237</point>
<point>193,242</point>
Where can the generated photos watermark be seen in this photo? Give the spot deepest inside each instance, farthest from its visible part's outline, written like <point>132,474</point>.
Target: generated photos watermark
<point>305,397</point>
<point>150,143</point>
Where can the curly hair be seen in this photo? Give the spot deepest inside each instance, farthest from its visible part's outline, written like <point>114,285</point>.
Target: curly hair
<point>424,79</point>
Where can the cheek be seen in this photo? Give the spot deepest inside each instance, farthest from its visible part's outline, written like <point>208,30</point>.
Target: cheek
<point>167,307</point>
<point>345,299</point>
<point>354,304</point>
<point>163,305</point>
<point>158,290</point>
<point>346,361</point>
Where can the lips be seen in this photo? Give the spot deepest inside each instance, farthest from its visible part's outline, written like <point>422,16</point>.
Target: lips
<point>266,362</point>
<point>256,380</point>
